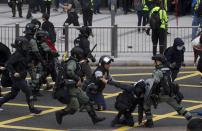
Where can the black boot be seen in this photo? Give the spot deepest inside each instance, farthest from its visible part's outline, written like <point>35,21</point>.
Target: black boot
<point>61,113</point>
<point>115,121</point>
<point>95,119</point>
<point>149,123</point>
<point>32,109</point>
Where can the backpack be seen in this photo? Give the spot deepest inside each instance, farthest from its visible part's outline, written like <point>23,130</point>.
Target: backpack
<point>199,9</point>
<point>60,92</point>
<point>155,21</point>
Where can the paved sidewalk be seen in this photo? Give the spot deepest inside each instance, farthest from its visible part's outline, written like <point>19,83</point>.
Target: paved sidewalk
<point>103,19</point>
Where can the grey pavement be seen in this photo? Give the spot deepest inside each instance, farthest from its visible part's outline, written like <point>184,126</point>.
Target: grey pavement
<point>103,20</point>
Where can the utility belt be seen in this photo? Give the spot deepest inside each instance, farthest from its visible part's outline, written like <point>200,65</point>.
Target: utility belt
<point>69,83</point>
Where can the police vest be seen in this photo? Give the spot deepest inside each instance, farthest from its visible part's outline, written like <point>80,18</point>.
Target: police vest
<point>163,16</point>
<point>78,70</point>
<point>145,7</point>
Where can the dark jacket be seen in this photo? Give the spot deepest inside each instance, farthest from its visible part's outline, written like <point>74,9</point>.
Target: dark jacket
<point>173,55</point>
<point>18,62</point>
<point>85,45</point>
<point>97,80</point>
<point>5,53</point>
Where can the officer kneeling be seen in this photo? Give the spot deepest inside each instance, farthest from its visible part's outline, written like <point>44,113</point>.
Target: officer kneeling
<point>76,96</point>
<point>126,102</point>
<point>162,90</point>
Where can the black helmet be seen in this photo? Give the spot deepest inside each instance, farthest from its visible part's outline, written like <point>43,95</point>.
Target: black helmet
<point>85,30</point>
<point>30,28</point>
<point>159,57</point>
<point>139,88</point>
<point>105,60</point>
<point>21,43</point>
<point>41,34</point>
<point>77,53</point>
<point>36,22</point>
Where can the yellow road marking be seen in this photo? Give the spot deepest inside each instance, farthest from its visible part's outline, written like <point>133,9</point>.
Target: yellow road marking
<point>25,105</point>
<point>5,92</point>
<point>160,117</point>
<point>135,114</point>
<point>28,128</point>
<point>111,95</point>
<point>193,101</point>
<point>146,74</point>
<point>29,116</point>
<point>108,96</point>
<point>195,86</point>
<point>187,76</point>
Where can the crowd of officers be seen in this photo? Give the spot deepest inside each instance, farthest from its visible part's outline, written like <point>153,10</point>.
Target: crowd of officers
<point>35,53</point>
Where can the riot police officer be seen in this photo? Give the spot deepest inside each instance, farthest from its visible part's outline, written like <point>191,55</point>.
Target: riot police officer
<point>83,42</point>
<point>30,31</point>
<point>72,84</point>
<point>163,90</point>
<point>126,102</point>
<point>5,53</point>
<point>17,66</point>
<point>100,78</point>
<point>17,3</point>
<point>175,56</point>
<point>48,56</point>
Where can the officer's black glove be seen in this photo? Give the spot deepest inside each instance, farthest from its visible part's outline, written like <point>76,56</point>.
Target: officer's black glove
<point>93,59</point>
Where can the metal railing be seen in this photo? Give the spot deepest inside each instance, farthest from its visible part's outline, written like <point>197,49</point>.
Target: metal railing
<point>110,40</point>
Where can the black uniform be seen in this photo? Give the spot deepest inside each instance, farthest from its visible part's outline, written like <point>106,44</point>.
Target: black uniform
<point>87,10</point>
<point>83,42</point>
<point>126,102</point>
<point>4,56</point>
<point>18,63</point>
<point>17,3</point>
<point>175,56</point>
